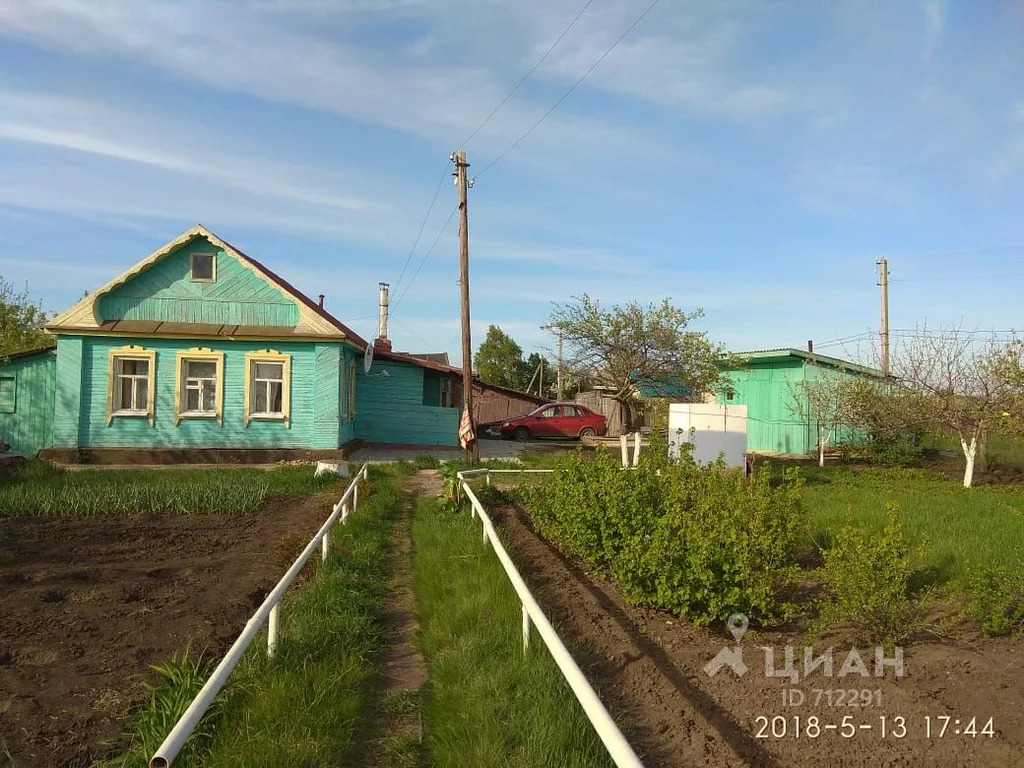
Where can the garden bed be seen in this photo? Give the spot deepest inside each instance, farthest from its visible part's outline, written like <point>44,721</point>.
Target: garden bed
<point>89,603</point>
<point>649,665</point>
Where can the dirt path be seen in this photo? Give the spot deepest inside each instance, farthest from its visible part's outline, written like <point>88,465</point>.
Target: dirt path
<point>651,668</point>
<point>404,671</point>
<point>88,604</point>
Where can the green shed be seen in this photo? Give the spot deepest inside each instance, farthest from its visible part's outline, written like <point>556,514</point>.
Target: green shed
<point>26,399</point>
<point>766,383</point>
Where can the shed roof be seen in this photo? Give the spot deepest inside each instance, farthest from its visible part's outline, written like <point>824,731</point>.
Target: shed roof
<point>811,357</point>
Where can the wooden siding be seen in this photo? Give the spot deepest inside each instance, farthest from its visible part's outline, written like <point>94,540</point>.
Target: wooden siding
<point>390,409</point>
<point>27,421</point>
<point>491,405</point>
<point>314,395</point>
<point>164,292</point>
<point>68,392</point>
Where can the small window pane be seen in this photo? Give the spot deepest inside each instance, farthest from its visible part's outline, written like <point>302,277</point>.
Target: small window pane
<point>202,266</point>
<point>134,367</point>
<point>192,400</point>
<point>125,401</point>
<point>200,369</point>
<point>273,371</point>
<point>141,395</point>
<point>275,397</point>
<point>209,398</point>
<point>260,394</point>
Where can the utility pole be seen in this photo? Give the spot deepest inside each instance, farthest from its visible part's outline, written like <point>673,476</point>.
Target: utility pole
<point>472,454</point>
<point>559,366</point>
<point>540,387</point>
<point>883,281</point>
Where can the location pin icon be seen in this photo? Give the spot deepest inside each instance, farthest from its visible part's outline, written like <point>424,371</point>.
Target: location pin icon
<point>737,624</point>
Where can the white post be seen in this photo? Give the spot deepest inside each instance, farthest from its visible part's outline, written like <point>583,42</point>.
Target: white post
<point>488,479</point>
<point>526,628</point>
<point>344,512</point>
<point>323,547</point>
<point>275,613</point>
<point>636,449</point>
<point>624,445</point>
<point>485,531</point>
<point>355,498</point>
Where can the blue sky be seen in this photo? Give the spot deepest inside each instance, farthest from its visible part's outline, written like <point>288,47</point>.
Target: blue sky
<point>750,158</point>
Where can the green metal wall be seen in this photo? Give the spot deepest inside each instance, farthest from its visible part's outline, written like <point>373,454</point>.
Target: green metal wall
<point>766,387</point>
<point>26,419</point>
<point>80,418</point>
<point>164,292</point>
<point>390,409</point>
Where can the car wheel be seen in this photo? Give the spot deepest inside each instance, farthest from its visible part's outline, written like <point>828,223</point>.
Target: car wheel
<point>521,433</point>
<point>587,432</point>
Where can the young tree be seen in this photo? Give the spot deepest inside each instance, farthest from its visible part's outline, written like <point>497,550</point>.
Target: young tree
<point>823,398</point>
<point>607,346</point>
<point>953,382</point>
<point>21,321</point>
<point>499,360</point>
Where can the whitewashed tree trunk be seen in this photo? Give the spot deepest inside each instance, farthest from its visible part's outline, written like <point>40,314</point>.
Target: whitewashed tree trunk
<point>823,440</point>
<point>970,450</point>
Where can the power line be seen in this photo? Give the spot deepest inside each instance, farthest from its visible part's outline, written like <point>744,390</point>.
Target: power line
<point>423,224</point>
<point>575,85</point>
<point>525,77</point>
<point>425,257</point>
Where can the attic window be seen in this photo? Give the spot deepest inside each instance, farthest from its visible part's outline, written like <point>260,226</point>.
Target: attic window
<point>204,267</point>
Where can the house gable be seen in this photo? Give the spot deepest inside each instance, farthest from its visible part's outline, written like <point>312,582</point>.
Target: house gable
<point>165,292</point>
<point>158,297</point>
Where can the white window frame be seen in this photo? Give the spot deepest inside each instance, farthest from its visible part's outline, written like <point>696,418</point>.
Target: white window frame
<point>213,267</point>
<point>115,357</point>
<point>268,356</point>
<point>198,355</point>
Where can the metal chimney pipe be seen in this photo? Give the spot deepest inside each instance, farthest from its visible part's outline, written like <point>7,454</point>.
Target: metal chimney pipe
<point>810,345</point>
<point>382,321</point>
<point>320,301</point>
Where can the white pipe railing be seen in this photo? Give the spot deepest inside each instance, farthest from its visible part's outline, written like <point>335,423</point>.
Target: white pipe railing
<point>270,612</point>
<point>618,748</point>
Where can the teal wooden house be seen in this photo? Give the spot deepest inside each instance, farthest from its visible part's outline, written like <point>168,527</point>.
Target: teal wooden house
<point>199,352</point>
<point>767,383</point>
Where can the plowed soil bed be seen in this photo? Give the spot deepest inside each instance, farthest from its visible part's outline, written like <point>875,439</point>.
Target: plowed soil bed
<point>88,604</point>
<point>649,666</point>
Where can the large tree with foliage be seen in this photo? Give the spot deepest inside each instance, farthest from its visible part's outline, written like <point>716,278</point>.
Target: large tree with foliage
<point>499,360</point>
<point>21,321</point>
<point>612,346</point>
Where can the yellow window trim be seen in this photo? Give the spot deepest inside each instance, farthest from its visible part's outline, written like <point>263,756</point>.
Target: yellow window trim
<point>199,353</point>
<point>139,353</point>
<point>269,356</point>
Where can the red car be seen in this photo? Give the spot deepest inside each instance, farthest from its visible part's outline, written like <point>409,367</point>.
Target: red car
<point>556,420</point>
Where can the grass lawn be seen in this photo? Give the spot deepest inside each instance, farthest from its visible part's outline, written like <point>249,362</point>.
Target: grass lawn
<point>486,703</point>
<point>39,489</point>
<point>313,702</point>
<point>953,530</point>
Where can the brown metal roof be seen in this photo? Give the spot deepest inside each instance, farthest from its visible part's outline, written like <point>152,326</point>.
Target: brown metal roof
<point>288,287</point>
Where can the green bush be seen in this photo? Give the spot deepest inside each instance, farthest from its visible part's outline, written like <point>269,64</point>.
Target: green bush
<point>702,542</point>
<point>725,544</point>
<point>905,450</point>
<point>867,575</point>
<point>996,600</point>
